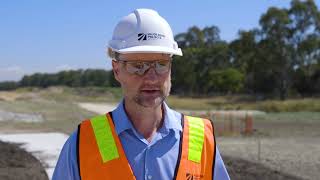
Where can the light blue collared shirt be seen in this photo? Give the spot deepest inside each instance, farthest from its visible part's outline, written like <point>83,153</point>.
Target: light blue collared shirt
<point>149,161</point>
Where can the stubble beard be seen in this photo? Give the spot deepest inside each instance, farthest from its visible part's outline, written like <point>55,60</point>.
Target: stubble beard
<point>151,102</point>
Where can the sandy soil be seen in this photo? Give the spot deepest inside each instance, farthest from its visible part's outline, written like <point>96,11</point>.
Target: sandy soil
<point>9,96</point>
<point>100,108</point>
<point>12,96</point>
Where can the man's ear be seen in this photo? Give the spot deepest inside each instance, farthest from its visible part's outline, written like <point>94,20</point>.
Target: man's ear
<point>115,69</point>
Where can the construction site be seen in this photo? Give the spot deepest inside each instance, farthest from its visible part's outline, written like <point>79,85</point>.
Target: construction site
<point>252,69</point>
<point>254,144</point>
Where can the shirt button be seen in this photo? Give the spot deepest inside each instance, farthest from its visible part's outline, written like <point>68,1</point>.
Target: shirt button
<point>149,177</point>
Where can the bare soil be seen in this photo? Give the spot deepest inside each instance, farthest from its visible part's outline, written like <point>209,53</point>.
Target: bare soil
<point>240,169</point>
<point>17,164</point>
<point>287,147</point>
<point>281,148</point>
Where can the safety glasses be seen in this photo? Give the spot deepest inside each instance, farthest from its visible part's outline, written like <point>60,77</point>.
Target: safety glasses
<point>141,67</point>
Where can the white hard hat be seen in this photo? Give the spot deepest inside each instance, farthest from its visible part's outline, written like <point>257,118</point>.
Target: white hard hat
<point>143,31</point>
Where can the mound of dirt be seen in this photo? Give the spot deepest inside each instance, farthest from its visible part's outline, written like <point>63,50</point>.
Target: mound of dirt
<point>17,164</point>
<point>240,169</point>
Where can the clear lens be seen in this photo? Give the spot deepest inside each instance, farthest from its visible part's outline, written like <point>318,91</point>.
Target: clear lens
<point>140,67</point>
<point>136,67</point>
<point>162,66</point>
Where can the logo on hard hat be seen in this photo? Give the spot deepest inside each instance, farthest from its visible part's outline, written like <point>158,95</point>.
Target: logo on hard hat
<point>150,36</point>
<point>142,36</point>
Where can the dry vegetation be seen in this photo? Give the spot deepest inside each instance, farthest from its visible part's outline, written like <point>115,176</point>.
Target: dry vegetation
<point>245,103</point>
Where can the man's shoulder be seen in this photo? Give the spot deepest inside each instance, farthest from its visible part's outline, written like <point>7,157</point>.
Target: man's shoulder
<point>72,140</point>
<point>100,117</point>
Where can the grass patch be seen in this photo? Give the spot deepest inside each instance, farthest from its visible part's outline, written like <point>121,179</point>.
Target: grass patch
<point>113,95</point>
<point>238,103</point>
<point>58,107</point>
<point>83,94</point>
<point>58,116</point>
<point>290,117</point>
<point>291,105</point>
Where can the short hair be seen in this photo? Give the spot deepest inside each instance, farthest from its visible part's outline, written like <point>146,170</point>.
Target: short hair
<point>113,54</point>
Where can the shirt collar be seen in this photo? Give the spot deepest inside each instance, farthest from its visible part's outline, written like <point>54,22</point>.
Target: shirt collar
<point>172,119</point>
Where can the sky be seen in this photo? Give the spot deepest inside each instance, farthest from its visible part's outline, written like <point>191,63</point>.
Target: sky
<point>54,35</point>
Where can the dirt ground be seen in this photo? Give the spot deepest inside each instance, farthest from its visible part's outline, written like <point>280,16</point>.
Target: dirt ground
<point>17,164</point>
<point>288,147</point>
<point>283,146</point>
<point>240,169</point>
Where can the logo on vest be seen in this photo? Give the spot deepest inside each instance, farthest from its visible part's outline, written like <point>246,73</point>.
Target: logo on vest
<point>190,176</point>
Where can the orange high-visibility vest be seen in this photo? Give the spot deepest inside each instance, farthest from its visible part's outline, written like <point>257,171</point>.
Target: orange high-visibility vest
<point>101,156</point>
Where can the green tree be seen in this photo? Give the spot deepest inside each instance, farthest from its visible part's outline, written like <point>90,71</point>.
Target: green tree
<point>275,32</point>
<point>8,85</point>
<point>197,38</point>
<point>228,80</point>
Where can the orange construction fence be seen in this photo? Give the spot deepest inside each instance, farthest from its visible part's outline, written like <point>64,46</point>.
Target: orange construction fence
<point>228,122</point>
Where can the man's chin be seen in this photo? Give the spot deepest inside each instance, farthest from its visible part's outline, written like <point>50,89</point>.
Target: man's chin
<point>150,103</point>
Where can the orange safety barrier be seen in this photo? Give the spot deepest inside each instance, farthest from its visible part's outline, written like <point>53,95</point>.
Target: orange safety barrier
<point>228,122</point>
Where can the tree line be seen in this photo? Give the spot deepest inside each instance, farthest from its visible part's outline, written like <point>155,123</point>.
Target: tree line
<point>71,78</point>
<point>280,58</point>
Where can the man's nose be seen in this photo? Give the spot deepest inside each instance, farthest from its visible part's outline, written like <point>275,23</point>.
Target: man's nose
<point>151,73</point>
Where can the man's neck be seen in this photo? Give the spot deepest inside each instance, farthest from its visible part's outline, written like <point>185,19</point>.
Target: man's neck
<point>145,120</point>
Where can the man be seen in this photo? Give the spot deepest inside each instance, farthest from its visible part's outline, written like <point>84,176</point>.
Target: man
<point>142,138</point>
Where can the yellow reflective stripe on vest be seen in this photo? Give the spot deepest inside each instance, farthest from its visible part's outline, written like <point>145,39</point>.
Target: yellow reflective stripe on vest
<point>102,131</point>
<point>196,138</point>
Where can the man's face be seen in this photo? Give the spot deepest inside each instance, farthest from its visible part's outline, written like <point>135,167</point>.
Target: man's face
<point>149,89</point>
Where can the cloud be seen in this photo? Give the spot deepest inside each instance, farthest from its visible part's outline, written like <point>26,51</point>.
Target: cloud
<point>64,67</point>
<point>13,69</point>
<point>11,73</point>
